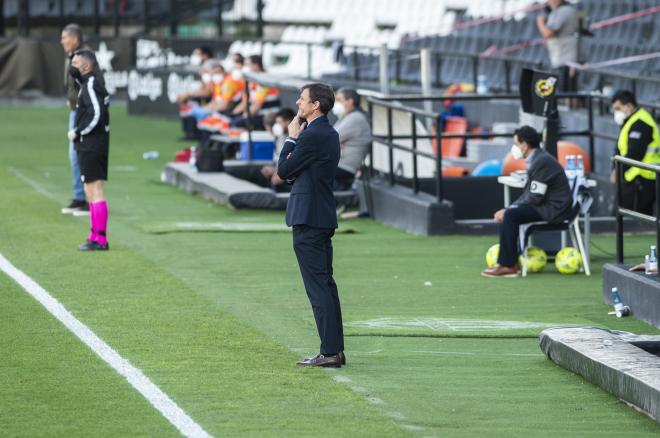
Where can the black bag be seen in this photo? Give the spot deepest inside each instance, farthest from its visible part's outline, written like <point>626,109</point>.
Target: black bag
<point>210,159</point>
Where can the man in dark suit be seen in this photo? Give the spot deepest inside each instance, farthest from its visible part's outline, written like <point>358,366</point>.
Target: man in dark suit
<point>546,197</point>
<point>309,162</point>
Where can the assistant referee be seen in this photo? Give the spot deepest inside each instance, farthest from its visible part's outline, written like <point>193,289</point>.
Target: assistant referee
<point>91,137</point>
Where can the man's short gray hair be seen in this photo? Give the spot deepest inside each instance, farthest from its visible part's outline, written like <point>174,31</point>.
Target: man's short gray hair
<point>74,30</point>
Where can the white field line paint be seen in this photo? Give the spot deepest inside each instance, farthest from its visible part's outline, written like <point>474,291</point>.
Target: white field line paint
<point>436,324</point>
<point>154,395</point>
<point>32,183</point>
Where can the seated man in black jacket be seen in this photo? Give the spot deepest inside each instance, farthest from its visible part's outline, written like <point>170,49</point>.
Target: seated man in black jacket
<point>546,197</point>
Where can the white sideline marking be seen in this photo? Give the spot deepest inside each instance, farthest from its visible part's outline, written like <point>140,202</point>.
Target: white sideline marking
<point>154,395</point>
<point>32,183</point>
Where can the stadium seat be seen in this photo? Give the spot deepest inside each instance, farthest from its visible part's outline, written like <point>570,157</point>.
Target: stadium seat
<point>451,147</point>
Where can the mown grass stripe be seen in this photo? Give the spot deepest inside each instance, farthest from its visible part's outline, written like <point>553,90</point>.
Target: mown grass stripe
<point>154,395</point>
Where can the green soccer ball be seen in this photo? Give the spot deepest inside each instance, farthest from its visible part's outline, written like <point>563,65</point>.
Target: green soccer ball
<point>568,260</point>
<point>536,259</point>
<point>492,254</point>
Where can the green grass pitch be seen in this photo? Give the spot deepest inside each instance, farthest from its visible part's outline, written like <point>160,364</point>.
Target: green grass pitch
<point>218,319</point>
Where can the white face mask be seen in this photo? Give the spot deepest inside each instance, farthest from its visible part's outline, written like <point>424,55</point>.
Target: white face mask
<point>237,74</point>
<point>516,152</point>
<point>246,69</point>
<point>217,78</point>
<point>339,109</point>
<point>278,130</point>
<point>195,60</point>
<point>620,117</point>
<point>206,77</point>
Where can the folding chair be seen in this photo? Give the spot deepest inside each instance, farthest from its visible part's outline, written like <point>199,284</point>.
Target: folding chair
<point>582,202</point>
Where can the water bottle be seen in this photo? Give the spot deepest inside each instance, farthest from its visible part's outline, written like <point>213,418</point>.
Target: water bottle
<point>647,265</point>
<point>482,84</point>
<point>653,260</point>
<point>151,155</point>
<point>193,156</point>
<point>616,298</point>
<point>570,167</point>
<point>580,166</point>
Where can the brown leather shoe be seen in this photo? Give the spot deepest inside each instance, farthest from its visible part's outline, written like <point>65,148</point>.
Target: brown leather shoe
<point>342,356</point>
<point>501,271</point>
<point>321,361</point>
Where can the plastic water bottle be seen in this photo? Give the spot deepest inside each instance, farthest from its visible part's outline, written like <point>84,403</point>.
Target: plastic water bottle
<point>616,298</point>
<point>482,84</point>
<point>580,166</point>
<point>151,155</point>
<point>647,265</point>
<point>193,156</point>
<point>570,167</point>
<point>653,260</point>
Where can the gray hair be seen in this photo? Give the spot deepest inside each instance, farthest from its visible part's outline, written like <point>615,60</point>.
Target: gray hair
<point>74,30</point>
<point>351,94</point>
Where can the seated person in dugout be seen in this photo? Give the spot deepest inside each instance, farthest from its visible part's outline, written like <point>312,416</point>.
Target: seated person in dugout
<point>546,197</point>
<point>190,100</point>
<point>262,99</point>
<point>200,55</point>
<point>354,136</point>
<point>266,176</point>
<point>639,139</point>
<point>226,93</point>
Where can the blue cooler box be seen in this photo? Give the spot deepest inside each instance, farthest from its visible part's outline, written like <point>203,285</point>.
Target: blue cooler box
<point>263,146</point>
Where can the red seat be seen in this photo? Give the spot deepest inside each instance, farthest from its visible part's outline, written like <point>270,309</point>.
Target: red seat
<point>452,147</point>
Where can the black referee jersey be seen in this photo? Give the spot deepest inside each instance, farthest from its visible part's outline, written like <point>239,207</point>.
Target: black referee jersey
<point>92,123</point>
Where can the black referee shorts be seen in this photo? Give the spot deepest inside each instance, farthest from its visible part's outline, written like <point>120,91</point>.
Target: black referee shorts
<point>93,166</point>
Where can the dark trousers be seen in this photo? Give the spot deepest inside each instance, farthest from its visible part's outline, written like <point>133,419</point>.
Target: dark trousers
<point>313,248</point>
<point>514,216</point>
<point>638,195</point>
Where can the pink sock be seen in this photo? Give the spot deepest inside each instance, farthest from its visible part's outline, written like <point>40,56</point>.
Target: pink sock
<point>101,219</point>
<point>92,237</point>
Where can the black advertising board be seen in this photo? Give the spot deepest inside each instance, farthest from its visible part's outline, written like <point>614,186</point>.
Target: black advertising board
<point>154,92</point>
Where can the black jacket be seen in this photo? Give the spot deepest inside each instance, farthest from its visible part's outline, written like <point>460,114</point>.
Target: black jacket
<point>547,188</point>
<point>312,165</point>
<point>92,123</point>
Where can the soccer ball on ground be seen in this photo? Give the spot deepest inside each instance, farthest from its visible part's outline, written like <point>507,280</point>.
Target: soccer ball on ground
<point>568,260</point>
<point>536,259</point>
<point>492,254</point>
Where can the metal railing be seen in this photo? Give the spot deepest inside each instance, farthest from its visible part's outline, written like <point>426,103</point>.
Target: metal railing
<point>389,140</point>
<point>619,162</point>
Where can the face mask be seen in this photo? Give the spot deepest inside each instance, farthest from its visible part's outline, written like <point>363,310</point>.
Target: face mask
<point>237,74</point>
<point>620,117</point>
<point>516,152</point>
<point>217,78</point>
<point>75,73</point>
<point>195,60</point>
<point>246,69</point>
<point>206,77</point>
<point>339,109</point>
<point>278,130</point>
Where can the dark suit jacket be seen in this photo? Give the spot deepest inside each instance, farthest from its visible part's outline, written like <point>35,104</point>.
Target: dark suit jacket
<point>312,167</point>
<point>547,188</point>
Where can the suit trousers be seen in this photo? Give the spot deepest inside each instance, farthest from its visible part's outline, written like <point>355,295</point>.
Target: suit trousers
<point>514,216</point>
<point>313,248</point>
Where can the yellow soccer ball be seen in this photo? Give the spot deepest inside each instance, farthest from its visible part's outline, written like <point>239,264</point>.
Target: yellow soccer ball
<point>568,260</point>
<point>536,259</point>
<point>492,254</point>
